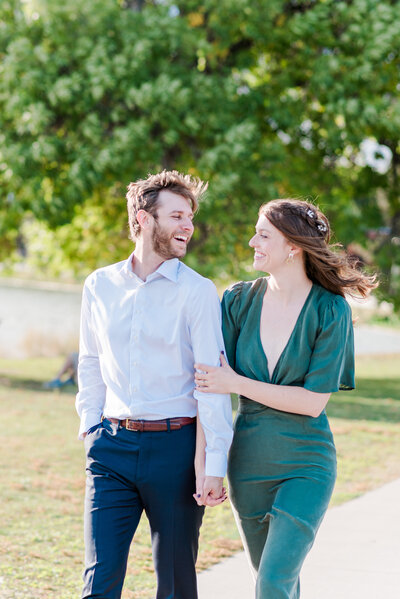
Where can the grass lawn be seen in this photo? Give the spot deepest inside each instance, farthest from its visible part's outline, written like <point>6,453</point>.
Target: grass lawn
<point>42,465</point>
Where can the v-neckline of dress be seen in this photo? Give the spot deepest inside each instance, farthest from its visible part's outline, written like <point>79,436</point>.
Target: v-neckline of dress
<point>272,376</point>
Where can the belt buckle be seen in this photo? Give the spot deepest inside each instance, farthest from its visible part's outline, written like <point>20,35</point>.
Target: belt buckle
<point>134,425</point>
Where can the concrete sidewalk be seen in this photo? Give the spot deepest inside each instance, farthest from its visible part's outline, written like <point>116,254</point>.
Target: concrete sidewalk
<point>376,340</point>
<point>356,555</point>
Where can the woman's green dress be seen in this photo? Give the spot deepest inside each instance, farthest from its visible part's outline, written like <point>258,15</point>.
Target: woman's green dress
<point>282,466</point>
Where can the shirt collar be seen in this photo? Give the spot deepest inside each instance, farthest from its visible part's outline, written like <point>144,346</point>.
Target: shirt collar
<point>168,269</point>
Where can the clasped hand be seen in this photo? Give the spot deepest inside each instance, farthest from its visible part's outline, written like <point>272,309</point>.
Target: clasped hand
<point>215,379</point>
<point>209,490</point>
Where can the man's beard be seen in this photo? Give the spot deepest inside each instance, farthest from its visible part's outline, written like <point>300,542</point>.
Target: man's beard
<point>162,244</point>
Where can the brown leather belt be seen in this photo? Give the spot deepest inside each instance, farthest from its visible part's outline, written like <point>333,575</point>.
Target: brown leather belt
<point>153,425</point>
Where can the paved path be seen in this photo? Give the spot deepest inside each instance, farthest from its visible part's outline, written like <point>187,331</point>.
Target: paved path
<point>376,340</point>
<point>356,555</point>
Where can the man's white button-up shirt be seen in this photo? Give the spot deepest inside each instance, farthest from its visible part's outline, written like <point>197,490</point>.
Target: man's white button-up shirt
<point>139,341</point>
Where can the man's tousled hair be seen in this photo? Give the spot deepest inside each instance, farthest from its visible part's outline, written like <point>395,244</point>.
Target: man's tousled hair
<point>143,194</point>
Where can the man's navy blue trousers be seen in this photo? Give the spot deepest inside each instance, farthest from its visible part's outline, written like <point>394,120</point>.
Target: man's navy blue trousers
<point>128,472</point>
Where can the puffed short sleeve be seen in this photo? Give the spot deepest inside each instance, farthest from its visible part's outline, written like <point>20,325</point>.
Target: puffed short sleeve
<point>230,327</point>
<point>331,366</point>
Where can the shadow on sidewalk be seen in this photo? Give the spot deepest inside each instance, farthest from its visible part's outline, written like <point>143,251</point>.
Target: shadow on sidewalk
<point>17,382</point>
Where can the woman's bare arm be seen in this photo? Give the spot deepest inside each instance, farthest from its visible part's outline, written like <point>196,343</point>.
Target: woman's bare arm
<point>286,398</point>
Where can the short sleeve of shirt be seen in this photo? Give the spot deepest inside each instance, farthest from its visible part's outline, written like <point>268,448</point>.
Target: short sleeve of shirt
<point>230,306</point>
<point>331,366</point>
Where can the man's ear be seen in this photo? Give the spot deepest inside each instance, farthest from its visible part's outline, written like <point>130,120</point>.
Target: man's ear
<point>144,218</point>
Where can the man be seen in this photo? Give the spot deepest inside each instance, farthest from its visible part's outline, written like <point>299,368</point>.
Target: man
<point>145,322</point>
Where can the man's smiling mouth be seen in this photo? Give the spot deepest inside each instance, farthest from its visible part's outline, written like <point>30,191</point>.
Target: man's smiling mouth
<point>181,238</point>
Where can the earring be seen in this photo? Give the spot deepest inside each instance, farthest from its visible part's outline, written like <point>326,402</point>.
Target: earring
<point>289,259</point>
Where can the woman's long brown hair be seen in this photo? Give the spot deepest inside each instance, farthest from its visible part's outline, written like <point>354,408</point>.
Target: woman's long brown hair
<point>304,225</point>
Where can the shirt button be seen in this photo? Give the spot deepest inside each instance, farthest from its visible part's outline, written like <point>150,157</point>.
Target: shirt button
<point>134,389</point>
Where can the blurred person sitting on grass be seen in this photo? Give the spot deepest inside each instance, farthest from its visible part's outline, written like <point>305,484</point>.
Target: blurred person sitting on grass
<point>69,368</point>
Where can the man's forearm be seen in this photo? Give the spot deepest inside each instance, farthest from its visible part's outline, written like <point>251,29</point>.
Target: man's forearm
<point>215,415</point>
<point>200,455</point>
<point>92,393</point>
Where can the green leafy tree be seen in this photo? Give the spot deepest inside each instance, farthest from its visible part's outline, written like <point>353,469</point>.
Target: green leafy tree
<point>335,72</point>
<point>94,96</point>
<point>264,99</point>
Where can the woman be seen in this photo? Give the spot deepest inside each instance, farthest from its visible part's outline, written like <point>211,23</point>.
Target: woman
<point>289,341</point>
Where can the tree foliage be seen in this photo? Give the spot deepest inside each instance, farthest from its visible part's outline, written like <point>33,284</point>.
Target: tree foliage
<point>263,99</point>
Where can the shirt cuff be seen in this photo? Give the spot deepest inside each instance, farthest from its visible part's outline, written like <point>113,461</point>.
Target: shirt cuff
<point>87,421</point>
<point>216,464</point>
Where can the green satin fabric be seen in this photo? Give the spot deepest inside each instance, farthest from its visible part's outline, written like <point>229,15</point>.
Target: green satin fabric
<point>319,354</point>
<point>282,466</point>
